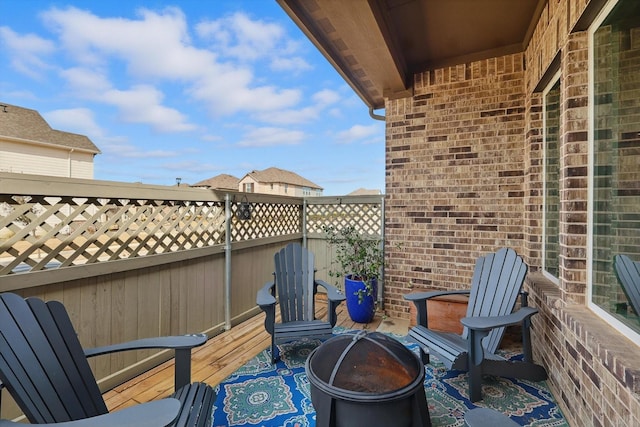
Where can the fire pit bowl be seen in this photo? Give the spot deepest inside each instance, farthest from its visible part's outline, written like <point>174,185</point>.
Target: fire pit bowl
<point>367,379</point>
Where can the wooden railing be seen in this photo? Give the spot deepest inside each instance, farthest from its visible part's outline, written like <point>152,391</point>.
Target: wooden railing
<point>132,261</point>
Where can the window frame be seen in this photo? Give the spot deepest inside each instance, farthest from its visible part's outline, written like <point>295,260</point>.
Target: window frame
<point>552,82</point>
<point>599,311</point>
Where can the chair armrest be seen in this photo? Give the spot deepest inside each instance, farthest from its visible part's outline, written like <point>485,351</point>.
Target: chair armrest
<point>182,344</point>
<point>421,296</point>
<point>265,295</point>
<point>152,414</point>
<point>267,302</point>
<point>335,298</point>
<point>173,342</point>
<point>333,293</point>
<point>488,323</point>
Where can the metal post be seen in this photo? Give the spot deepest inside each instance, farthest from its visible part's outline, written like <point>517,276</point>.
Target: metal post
<point>381,285</point>
<point>227,263</point>
<point>304,222</point>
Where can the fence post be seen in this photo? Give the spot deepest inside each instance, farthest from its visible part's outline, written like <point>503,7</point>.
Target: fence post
<point>381,285</point>
<point>304,222</point>
<point>227,263</point>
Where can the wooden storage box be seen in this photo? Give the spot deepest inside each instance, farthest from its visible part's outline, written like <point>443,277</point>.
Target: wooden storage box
<point>443,313</point>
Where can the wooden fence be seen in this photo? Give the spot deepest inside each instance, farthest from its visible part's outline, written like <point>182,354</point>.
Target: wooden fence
<point>132,261</point>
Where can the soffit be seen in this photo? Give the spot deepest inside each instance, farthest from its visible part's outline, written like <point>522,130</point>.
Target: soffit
<point>378,45</point>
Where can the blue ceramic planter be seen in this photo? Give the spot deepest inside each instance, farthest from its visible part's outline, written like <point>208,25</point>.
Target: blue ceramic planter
<point>360,312</point>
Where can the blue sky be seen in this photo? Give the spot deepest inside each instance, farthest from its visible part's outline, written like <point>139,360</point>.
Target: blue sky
<point>190,89</point>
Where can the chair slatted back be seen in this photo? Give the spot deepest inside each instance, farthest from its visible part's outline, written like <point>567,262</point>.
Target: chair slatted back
<point>294,275</point>
<point>496,283</point>
<point>628,273</point>
<point>42,362</point>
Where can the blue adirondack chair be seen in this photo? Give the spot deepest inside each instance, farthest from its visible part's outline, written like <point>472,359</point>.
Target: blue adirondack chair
<point>496,283</point>
<point>628,274</point>
<point>45,369</point>
<point>295,286</point>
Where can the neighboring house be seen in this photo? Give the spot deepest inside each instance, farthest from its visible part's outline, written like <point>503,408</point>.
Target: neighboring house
<point>268,181</point>
<point>29,145</point>
<point>365,192</point>
<point>220,182</point>
<point>278,181</point>
<point>509,123</point>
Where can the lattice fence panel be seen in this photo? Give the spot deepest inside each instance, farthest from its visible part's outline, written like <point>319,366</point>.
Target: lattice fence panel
<point>266,220</point>
<point>39,232</point>
<point>366,218</point>
<point>42,231</point>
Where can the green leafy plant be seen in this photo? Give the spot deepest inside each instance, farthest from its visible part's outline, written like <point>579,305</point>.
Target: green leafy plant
<point>357,255</point>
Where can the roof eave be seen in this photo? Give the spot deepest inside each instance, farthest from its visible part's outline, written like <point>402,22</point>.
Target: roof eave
<point>391,77</point>
<point>49,144</point>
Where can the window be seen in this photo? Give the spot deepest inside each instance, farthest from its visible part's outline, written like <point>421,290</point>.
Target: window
<point>615,156</point>
<point>247,187</point>
<point>551,220</point>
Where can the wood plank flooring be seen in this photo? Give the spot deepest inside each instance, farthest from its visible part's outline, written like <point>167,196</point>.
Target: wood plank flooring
<point>222,355</point>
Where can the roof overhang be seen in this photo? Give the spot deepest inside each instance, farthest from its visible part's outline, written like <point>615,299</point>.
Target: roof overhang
<point>60,147</point>
<point>378,45</point>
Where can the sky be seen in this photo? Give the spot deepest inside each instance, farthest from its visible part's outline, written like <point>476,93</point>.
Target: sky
<point>189,89</point>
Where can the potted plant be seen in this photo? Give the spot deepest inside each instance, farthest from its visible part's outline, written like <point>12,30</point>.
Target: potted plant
<point>359,259</point>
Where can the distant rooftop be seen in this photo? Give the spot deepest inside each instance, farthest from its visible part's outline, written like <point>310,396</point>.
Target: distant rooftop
<point>365,192</point>
<point>29,126</point>
<point>221,182</point>
<point>276,175</point>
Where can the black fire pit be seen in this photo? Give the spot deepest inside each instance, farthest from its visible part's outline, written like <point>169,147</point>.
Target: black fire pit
<point>367,380</point>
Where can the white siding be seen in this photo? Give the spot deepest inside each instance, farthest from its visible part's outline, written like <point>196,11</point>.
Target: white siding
<point>82,165</point>
<point>43,160</point>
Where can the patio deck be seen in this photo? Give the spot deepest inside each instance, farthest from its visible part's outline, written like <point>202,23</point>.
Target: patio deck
<point>222,355</point>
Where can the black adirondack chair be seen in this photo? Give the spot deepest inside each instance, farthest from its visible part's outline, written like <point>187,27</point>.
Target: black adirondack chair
<point>496,283</point>
<point>295,286</point>
<point>628,273</point>
<point>46,371</point>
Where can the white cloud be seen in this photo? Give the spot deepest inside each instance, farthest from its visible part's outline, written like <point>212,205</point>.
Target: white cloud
<point>120,149</point>
<point>157,48</point>
<point>271,136</point>
<point>322,99</point>
<point>154,45</point>
<point>326,97</point>
<point>358,133</point>
<point>294,64</point>
<point>142,104</point>
<point>289,117</point>
<point>211,138</point>
<point>229,91</point>
<point>191,166</point>
<point>78,120</point>
<point>86,82</point>
<point>26,51</point>
<point>139,104</point>
<point>242,38</point>
<point>239,37</point>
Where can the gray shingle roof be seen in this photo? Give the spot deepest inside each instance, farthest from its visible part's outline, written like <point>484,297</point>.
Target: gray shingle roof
<point>222,182</point>
<point>23,123</point>
<point>365,192</point>
<point>276,175</point>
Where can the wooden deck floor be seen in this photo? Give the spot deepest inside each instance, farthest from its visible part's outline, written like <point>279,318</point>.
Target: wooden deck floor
<point>222,355</point>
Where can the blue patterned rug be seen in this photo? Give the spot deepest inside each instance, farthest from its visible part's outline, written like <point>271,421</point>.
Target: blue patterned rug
<point>266,395</point>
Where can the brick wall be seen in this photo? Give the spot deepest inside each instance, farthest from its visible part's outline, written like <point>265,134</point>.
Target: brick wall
<point>465,177</point>
<point>455,181</point>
